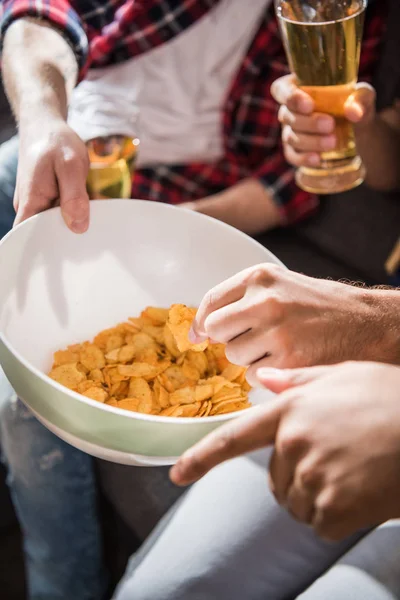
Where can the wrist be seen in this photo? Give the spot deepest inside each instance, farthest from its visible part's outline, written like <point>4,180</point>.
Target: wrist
<point>246,206</point>
<point>383,322</point>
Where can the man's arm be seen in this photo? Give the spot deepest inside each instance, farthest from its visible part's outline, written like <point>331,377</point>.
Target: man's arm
<point>378,142</point>
<point>40,71</point>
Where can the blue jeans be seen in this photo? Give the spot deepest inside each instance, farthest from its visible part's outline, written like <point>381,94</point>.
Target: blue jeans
<point>52,483</point>
<point>8,177</point>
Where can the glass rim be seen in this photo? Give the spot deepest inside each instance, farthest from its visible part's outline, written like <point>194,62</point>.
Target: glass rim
<point>316,23</point>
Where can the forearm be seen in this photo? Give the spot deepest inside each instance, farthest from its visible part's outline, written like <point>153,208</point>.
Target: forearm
<point>246,206</point>
<point>379,146</point>
<point>384,325</point>
<point>39,69</point>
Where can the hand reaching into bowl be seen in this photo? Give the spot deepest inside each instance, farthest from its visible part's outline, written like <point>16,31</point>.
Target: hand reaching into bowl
<point>272,317</point>
<point>322,469</point>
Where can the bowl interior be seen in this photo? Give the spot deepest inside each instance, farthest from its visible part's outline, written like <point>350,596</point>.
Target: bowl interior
<point>58,288</point>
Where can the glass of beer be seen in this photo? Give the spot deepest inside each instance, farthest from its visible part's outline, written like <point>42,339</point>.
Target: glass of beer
<point>112,166</point>
<point>322,39</point>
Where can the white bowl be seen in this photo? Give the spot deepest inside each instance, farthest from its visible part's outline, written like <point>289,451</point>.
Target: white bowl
<point>58,288</point>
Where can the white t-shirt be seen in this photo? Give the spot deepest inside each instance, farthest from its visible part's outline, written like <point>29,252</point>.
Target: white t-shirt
<point>172,96</point>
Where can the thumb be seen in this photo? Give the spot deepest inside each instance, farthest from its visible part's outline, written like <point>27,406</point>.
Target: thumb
<point>74,199</point>
<point>360,105</point>
<point>242,435</point>
<point>279,381</point>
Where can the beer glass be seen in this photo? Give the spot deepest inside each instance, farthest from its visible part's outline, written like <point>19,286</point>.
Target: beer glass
<point>322,39</point>
<point>112,166</point>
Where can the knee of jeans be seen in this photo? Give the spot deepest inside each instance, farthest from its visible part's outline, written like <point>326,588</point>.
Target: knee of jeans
<point>31,453</point>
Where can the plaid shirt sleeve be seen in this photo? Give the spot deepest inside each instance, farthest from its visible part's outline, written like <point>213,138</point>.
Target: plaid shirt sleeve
<point>110,31</point>
<point>274,172</point>
<point>58,12</point>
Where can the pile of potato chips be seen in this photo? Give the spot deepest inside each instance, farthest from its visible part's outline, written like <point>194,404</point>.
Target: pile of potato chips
<point>148,365</point>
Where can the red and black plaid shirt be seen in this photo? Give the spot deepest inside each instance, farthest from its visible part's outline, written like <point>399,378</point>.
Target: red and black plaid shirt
<point>106,32</point>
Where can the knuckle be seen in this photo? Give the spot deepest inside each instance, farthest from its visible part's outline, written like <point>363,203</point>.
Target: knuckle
<point>288,136</point>
<point>226,441</point>
<point>236,355</point>
<point>307,476</point>
<point>291,156</point>
<point>284,115</point>
<point>291,442</point>
<point>276,311</point>
<point>326,505</point>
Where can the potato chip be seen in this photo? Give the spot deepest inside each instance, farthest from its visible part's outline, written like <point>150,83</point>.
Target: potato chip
<point>67,375</point>
<point>229,406</point>
<point>180,320</point>
<point>92,357</point>
<point>140,370</point>
<point>112,356</point>
<point>186,410</point>
<point>226,393</point>
<point>119,389</point>
<point>197,360</point>
<point>174,378</point>
<point>139,388</point>
<point>218,353</point>
<point>65,357</point>
<point>126,353</point>
<point>82,368</point>
<point>97,375</point>
<point>83,386</point>
<point>157,333</point>
<point>167,412</point>
<point>160,395</point>
<point>170,343</point>
<point>96,393</point>
<point>157,316</point>
<point>114,341</point>
<point>148,365</point>
<point>129,404</point>
<point>233,372</point>
<point>189,395</point>
<point>102,338</point>
<point>112,402</point>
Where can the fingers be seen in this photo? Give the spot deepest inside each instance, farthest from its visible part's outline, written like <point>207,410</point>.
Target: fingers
<point>280,380</point>
<point>281,472</point>
<point>248,348</point>
<point>285,91</point>
<point>317,123</point>
<point>305,142</point>
<point>360,106</point>
<point>301,159</point>
<point>238,437</point>
<point>33,201</point>
<point>223,295</point>
<point>74,200</point>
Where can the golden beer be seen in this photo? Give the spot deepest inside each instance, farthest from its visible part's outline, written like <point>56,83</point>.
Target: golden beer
<point>112,166</point>
<point>322,39</point>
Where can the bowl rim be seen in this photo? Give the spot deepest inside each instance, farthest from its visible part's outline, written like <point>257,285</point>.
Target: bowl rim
<point>100,405</point>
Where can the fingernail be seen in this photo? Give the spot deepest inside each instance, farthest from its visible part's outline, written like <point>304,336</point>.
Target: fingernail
<point>306,105</point>
<point>328,143</point>
<point>325,125</point>
<point>313,160</point>
<point>271,373</point>
<point>174,472</point>
<point>196,338</point>
<point>79,226</point>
